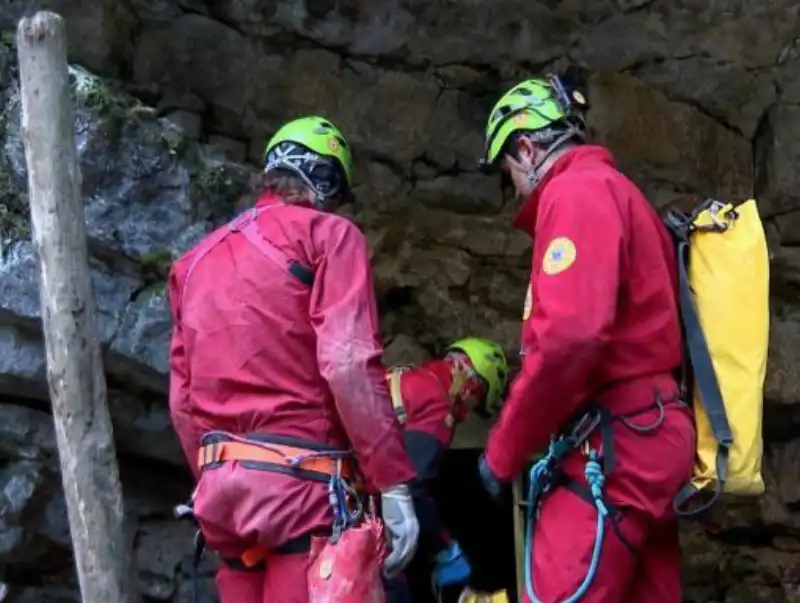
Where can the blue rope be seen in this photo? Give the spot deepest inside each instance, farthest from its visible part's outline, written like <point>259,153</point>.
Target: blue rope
<point>541,481</point>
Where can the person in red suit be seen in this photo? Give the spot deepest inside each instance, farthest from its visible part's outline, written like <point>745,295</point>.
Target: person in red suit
<point>431,400</point>
<point>276,382</point>
<point>601,329</point>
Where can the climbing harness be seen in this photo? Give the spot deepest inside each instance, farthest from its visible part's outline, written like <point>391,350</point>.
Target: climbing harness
<point>545,475</point>
<point>284,455</point>
<point>539,486</point>
<point>275,453</point>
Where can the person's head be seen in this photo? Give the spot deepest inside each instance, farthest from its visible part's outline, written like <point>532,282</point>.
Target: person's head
<point>529,128</point>
<point>480,374</point>
<point>309,161</point>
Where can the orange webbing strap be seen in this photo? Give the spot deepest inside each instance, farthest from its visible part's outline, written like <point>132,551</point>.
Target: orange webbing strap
<point>253,557</point>
<point>275,454</point>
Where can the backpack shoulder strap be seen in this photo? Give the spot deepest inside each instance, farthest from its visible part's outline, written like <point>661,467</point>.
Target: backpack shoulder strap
<point>396,394</point>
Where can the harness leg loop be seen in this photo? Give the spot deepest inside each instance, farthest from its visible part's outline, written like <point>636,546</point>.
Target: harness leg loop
<point>543,477</point>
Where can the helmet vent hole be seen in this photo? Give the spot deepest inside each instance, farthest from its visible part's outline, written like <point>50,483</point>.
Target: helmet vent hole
<point>501,112</point>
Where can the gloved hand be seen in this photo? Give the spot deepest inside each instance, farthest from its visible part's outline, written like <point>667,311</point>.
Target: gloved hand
<point>491,483</point>
<point>451,566</point>
<point>402,527</point>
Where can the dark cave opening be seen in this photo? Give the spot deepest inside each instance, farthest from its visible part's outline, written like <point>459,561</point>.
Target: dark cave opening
<point>484,529</point>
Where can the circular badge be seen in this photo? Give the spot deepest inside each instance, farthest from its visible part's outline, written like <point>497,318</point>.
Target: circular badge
<point>333,145</point>
<point>559,256</point>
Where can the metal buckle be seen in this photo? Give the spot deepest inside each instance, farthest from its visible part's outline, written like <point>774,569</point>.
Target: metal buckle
<point>713,211</point>
<point>584,428</point>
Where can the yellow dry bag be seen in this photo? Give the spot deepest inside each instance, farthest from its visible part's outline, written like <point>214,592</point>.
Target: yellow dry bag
<point>471,596</point>
<point>723,265</point>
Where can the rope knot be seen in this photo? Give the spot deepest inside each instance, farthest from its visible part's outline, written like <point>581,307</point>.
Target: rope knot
<point>596,481</point>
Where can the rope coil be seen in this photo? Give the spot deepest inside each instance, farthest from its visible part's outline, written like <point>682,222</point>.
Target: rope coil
<point>542,480</point>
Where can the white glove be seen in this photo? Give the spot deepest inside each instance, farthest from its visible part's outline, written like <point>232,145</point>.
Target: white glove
<point>402,528</point>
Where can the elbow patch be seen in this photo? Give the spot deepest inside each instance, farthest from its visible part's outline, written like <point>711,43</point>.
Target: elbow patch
<point>424,450</point>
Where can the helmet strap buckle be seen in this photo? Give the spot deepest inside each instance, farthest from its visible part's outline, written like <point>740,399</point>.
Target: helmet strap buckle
<point>539,169</point>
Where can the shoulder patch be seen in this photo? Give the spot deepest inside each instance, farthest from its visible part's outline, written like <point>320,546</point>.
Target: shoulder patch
<point>526,311</point>
<point>559,256</point>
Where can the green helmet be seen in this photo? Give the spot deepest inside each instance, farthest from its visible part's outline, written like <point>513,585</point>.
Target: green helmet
<point>314,150</point>
<point>536,106</point>
<point>489,362</point>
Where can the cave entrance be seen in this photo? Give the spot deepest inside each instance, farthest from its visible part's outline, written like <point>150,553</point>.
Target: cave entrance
<point>484,529</point>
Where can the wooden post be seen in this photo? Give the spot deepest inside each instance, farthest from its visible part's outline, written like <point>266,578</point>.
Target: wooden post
<point>74,363</point>
<point>519,535</point>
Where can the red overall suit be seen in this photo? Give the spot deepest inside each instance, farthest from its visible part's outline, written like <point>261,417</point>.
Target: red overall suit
<point>429,419</point>
<point>429,426</point>
<point>601,325</point>
<point>275,336</point>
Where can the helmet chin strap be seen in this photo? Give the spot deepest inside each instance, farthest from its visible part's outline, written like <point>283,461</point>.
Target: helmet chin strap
<point>536,172</point>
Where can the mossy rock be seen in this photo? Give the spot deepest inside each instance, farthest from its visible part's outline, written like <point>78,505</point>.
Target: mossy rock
<point>13,224</point>
<point>102,97</point>
<point>218,186</point>
<point>14,211</point>
<point>155,266</point>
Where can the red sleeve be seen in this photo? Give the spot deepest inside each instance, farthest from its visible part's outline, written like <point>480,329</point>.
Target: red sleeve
<point>428,405</point>
<point>345,317</point>
<point>575,279</point>
<point>179,379</point>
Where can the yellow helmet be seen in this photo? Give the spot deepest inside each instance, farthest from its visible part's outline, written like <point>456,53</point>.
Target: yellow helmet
<point>314,150</point>
<point>534,105</point>
<point>490,363</point>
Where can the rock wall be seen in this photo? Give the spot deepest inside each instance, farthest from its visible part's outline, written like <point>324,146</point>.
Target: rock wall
<point>692,97</point>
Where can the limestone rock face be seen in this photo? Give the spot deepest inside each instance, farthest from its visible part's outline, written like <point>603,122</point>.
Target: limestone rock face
<point>692,98</point>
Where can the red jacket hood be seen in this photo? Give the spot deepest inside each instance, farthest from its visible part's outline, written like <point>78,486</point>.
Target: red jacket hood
<point>578,157</point>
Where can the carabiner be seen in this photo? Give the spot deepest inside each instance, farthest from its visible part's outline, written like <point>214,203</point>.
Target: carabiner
<point>584,428</point>
<point>652,426</point>
<point>713,212</point>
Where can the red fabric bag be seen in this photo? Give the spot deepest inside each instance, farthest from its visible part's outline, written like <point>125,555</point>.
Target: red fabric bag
<point>348,571</point>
